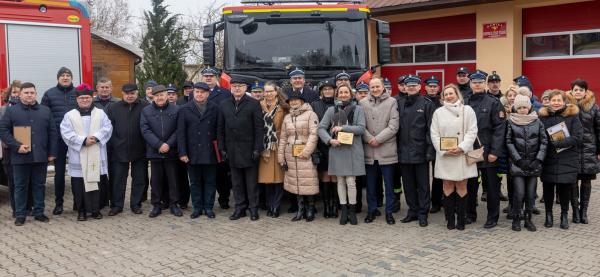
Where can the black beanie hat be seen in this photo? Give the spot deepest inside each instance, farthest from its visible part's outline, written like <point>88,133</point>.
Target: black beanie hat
<point>62,71</point>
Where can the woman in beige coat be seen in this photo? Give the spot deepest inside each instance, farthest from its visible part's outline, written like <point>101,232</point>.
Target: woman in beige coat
<point>299,131</point>
<point>269,171</point>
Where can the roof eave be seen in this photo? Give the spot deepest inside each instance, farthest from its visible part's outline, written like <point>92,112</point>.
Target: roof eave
<point>428,6</point>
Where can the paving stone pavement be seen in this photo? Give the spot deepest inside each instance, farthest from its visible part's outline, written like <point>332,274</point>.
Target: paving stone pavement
<point>136,245</point>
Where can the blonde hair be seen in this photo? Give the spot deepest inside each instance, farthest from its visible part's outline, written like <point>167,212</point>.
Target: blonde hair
<point>456,91</point>
<point>513,88</point>
<point>345,86</point>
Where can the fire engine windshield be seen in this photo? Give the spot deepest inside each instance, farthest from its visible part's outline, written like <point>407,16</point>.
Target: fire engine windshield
<point>328,45</point>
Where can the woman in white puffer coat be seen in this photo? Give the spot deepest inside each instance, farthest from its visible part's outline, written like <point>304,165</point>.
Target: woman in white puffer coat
<point>454,120</point>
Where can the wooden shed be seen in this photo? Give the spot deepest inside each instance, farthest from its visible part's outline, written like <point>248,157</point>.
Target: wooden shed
<point>114,58</point>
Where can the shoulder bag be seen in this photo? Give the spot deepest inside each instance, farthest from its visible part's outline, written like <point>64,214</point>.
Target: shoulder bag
<point>476,155</point>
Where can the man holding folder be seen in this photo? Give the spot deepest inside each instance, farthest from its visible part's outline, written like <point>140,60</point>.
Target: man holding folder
<point>29,131</point>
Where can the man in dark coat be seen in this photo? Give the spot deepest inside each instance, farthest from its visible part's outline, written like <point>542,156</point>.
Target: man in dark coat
<point>493,83</point>
<point>30,162</point>
<point>432,92</point>
<point>414,153</point>
<point>196,134</point>
<point>401,88</point>
<point>129,149</point>
<point>240,134</point>
<point>159,128</point>
<point>104,97</point>
<point>298,81</point>
<point>60,100</point>
<point>183,183</point>
<point>188,86</point>
<point>463,83</point>
<point>210,76</point>
<point>491,124</point>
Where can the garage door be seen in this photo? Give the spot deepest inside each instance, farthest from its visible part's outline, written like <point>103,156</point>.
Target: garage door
<point>36,53</point>
<point>560,44</point>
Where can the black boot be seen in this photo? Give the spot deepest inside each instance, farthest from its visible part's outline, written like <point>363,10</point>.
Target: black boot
<point>310,212</point>
<point>516,224</point>
<point>344,218</point>
<point>585,201</point>
<point>293,204</point>
<point>449,204</point>
<point>575,203</point>
<point>397,204</point>
<point>564,220</point>
<point>326,198</point>
<point>557,197</point>
<point>528,224</point>
<point>300,208</point>
<point>549,220</point>
<point>461,211</point>
<point>335,203</point>
<point>352,214</point>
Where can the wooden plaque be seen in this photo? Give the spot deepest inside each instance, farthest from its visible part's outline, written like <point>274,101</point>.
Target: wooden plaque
<point>23,135</point>
<point>345,138</point>
<point>447,144</point>
<point>298,148</point>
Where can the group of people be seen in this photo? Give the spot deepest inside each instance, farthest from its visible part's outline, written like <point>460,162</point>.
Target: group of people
<point>261,141</point>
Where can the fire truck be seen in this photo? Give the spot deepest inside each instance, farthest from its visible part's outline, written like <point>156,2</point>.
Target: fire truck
<point>266,41</point>
<point>38,37</point>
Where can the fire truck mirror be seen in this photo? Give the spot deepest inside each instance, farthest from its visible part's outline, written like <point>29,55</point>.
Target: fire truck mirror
<point>208,51</point>
<point>209,31</point>
<point>383,50</point>
<point>383,28</point>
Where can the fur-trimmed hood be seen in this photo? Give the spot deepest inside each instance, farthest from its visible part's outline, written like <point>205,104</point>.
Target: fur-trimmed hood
<point>571,109</point>
<point>585,104</point>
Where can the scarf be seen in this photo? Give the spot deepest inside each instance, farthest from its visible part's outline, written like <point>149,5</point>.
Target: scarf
<point>201,107</point>
<point>270,140</point>
<point>89,155</point>
<point>14,100</point>
<point>523,119</point>
<point>84,112</point>
<point>329,101</point>
<point>344,110</point>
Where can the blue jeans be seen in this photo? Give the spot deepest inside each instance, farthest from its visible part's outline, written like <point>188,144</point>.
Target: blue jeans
<point>60,166</point>
<point>119,184</point>
<point>23,173</point>
<point>203,185</point>
<point>388,179</point>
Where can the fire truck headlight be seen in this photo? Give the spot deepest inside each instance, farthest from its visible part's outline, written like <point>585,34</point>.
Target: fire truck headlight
<point>43,9</point>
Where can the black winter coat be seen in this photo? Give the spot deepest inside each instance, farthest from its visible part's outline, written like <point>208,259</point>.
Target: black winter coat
<point>196,133</point>
<point>465,90</point>
<point>217,95</point>
<point>159,125</point>
<point>413,137</point>
<point>44,135</point>
<point>320,107</point>
<point>98,104</point>
<point>183,100</point>
<point>435,100</point>
<point>60,100</point>
<point>563,167</point>
<point>240,130</point>
<point>589,115</point>
<point>127,141</point>
<point>491,126</point>
<point>527,142</point>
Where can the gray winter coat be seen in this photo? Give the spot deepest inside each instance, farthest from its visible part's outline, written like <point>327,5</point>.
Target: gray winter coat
<point>345,160</point>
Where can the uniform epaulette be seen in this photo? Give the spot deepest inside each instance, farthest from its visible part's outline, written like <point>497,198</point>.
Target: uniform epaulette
<point>426,98</point>
<point>491,96</point>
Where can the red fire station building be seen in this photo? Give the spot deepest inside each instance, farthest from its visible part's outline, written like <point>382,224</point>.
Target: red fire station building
<point>552,42</point>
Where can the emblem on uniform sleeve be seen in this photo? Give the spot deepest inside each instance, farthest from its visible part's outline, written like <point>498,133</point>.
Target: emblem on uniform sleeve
<point>420,110</point>
<point>501,114</point>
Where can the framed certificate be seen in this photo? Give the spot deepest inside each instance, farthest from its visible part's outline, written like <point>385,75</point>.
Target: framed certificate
<point>345,138</point>
<point>448,143</point>
<point>298,148</point>
<point>22,134</point>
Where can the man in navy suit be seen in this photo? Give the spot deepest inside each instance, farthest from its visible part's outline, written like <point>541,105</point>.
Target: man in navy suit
<point>297,80</point>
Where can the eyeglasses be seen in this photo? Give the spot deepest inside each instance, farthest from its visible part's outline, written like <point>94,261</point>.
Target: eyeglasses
<point>270,91</point>
<point>85,98</point>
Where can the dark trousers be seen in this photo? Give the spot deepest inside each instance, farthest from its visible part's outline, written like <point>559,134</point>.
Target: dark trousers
<point>203,185</point>
<point>88,202</point>
<point>379,186</point>
<point>416,189</point>
<point>262,193</point>
<point>387,171</point>
<point>106,195</point>
<point>183,183</point>
<point>397,179</point>
<point>273,194</point>
<point>437,189</point>
<point>489,177</point>
<point>245,186</point>
<point>564,192</point>
<point>164,170</point>
<point>119,184</point>
<point>361,182</point>
<point>223,182</point>
<point>60,166</point>
<point>524,189</point>
<point>510,188</point>
<point>10,179</point>
<point>24,175</point>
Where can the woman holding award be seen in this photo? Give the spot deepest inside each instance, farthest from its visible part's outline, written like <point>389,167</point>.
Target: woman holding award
<point>297,142</point>
<point>341,129</point>
<point>453,132</point>
<point>561,165</point>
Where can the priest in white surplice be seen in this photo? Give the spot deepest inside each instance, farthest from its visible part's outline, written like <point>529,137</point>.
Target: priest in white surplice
<point>86,130</point>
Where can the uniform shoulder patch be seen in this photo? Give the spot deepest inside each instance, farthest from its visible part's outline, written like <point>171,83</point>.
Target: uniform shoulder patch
<point>501,114</point>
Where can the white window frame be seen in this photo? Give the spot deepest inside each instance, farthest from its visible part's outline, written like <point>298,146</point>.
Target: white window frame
<point>445,42</point>
<point>571,56</point>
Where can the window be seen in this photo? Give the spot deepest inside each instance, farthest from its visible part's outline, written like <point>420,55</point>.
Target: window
<point>547,46</point>
<point>435,52</point>
<point>563,45</point>
<point>586,44</point>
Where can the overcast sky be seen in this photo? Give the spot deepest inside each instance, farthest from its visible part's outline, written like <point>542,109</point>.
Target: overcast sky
<point>175,6</point>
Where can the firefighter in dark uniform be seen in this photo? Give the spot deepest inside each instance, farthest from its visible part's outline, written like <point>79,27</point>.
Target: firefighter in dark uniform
<point>414,152</point>
<point>342,78</point>
<point>401,88</point>
<point>397,170</point>
<point>388,86</point>
<point>493,83</point>
<point>491,124</point>
<point>432,89</point>
<point>463,83</point>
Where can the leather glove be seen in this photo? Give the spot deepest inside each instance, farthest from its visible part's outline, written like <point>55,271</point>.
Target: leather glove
<point>255,156</point>
<point>522,164</point>
<point>224,157</point>
<point>430,156</point>
<point>553,143</point>
<point>535,165</point>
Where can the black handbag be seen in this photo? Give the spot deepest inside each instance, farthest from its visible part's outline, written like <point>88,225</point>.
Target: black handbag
<point>316,158</point>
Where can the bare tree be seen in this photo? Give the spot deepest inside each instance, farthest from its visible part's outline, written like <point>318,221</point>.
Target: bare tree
<point>111,16</point>
<point>193,25</point>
